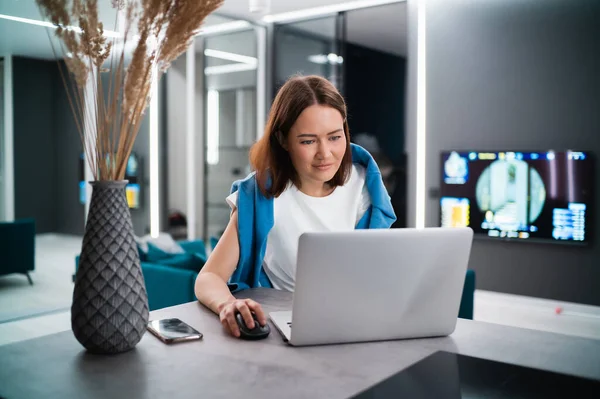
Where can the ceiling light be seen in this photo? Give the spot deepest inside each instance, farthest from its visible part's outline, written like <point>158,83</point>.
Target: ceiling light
<point>318,58</point>
<point>229,68</point>
<point>107,33</point>
<point>233,26</point>
<point>224,55</point>
<point>334,58</point>
<point>330,58</point>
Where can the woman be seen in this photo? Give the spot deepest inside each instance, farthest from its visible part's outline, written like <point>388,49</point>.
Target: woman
<point>307,177</point>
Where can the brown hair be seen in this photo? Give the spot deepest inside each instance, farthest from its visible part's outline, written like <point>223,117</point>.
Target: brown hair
<point>268,157</point>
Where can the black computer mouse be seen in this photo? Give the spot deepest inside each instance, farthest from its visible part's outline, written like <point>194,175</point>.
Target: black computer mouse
<point>258,332</point>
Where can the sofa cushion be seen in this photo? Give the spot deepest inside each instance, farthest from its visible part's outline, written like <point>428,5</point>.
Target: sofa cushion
<point>187,260</point>
<point>164,241</point>
<point>195,246</point>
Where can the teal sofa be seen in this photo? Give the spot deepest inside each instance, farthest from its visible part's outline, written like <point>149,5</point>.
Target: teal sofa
<point>17,247</point>
<point>467,302</point>
<point>171,283</point>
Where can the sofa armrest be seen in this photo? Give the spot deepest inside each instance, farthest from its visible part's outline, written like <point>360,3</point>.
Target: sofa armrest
<point>468,296</point>
<point>165,285</point>
<point>196,246</point>
<point>17,246</point>
<point>168,286</point>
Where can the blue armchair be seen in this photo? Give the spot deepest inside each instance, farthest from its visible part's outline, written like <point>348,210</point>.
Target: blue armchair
<point>17,247</point>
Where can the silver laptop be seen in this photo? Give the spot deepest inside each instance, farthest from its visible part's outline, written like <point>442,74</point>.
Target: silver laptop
<point>373,285</point>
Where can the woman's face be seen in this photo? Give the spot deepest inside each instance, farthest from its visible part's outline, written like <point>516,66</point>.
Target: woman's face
<point>317,144</point>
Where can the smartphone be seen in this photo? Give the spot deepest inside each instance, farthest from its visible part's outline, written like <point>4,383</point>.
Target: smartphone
<point>173,330</point>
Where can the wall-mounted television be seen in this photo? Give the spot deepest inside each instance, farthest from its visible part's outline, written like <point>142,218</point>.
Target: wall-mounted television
<point>132,175</point>
<point>541,196</point>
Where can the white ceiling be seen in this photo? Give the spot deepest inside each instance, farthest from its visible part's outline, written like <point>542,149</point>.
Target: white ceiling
<point>382,27</point>
<point>34,41</point>
<point>23,39</point>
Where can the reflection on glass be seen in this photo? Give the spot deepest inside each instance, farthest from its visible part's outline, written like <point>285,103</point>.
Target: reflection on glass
<point>230,68</point>
<point>375,83</point>
<point>186,207</point>
<point>307,48</point>
<point>212,120</point>
<point>450,375</point>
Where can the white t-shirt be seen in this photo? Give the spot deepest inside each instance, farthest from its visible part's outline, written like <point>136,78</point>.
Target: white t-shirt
<point>296,213</point>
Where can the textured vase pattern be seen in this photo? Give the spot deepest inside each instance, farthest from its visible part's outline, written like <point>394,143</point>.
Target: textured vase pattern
<point>109,313</point>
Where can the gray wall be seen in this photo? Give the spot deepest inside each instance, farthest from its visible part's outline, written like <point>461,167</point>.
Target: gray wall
<point>69,211</point>
<point>34,142</point>
<point>46,149</point>
<point>517,75</point>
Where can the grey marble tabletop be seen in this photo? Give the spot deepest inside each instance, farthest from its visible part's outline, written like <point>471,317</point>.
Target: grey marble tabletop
<point>220,366</point>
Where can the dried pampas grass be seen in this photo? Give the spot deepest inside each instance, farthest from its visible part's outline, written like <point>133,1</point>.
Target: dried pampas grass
<point>108,123</point>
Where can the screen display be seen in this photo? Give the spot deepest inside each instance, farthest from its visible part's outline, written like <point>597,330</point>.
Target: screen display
<point>518,195</point>
<point>132,175</point>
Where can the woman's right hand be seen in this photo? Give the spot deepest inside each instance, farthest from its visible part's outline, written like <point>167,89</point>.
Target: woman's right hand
<point>245,307</point>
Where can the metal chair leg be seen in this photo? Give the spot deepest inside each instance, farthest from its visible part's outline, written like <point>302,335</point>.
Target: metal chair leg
<point>29,278</point>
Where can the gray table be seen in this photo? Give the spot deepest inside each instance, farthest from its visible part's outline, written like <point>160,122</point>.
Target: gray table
<point>56,366</point>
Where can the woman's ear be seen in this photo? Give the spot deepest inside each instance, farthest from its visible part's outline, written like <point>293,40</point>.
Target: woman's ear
<point>281,139</point>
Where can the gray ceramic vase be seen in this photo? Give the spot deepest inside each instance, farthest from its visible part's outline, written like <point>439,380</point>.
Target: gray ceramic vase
<point>109,313</point>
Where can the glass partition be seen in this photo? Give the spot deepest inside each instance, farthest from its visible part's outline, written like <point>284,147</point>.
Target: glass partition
<point>2,150</point>
<point>211,106</point>
<point>375,83</point>
<point>230,82</point>
<point>310,47</point>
